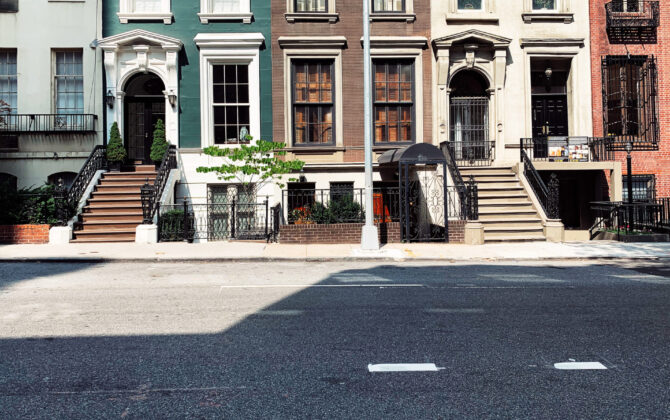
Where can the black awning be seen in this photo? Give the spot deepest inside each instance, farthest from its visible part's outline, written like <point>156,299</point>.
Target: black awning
<point>418,154</point>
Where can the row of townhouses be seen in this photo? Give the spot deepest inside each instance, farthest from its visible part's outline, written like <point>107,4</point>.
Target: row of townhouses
<point>537,103</point>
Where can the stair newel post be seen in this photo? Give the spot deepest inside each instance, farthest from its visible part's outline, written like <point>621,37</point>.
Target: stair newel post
<point>267,217</point>
<point>473,198</point>
<point>147,195</point>
<point>185,228</point>
<point>232,222</point>
<point>553,197</point>
<point>60,203</point>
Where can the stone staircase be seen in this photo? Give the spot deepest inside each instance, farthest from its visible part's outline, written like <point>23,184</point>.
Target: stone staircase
<point>505,210</point>
<point>114,209</point>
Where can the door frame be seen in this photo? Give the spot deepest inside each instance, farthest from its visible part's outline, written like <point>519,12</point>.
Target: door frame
<point>146,100</point>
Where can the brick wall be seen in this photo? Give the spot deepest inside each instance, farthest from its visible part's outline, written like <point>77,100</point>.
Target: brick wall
<point>24,234</point>
<point>654,162</point>
<point>350,233</point>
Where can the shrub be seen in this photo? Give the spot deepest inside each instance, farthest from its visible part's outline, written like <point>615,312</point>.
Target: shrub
<point>320,214</point>
<point>115,150</point>
<point>28,205</point>
<point>345,209</point>
<point>159,145</point>
<point>171,226</point>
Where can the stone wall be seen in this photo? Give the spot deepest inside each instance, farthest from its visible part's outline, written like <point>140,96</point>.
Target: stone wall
<point>24,234</point>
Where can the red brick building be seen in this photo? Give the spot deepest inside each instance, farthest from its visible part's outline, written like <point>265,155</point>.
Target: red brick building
<point>630,55</point>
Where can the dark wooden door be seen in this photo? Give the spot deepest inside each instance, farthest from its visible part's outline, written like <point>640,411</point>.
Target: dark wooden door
<point>550,115</point>
<point>141,117</point>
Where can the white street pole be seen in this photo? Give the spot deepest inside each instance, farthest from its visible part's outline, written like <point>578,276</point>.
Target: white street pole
<point>369,238</point>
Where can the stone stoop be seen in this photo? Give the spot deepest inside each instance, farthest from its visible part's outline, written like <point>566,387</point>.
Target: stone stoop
<point>505,209</point>
<point>114,209</point>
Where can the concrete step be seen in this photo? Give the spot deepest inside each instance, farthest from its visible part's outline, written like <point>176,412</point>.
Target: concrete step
<point>129,183</point>
<point>513,201</point>
<point>504,227</point>
<point>113,225</point>
<point>116,176</point>
<point>108,235</point>
<point>504,213</point>
<point>116,195</point>
<point>119,202</point>
<point>496,179</point>
<point>112,207</point>
<point>88,240</point>
<point>514,238</point>
<point>499,194</point>
<point>109,217</point>
<point>510,218</point>
<point>499,187</point>
<point>118,189</point>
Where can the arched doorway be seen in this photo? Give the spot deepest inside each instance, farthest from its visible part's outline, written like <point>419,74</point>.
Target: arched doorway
<point>469,117</point>
<point>144,105</point>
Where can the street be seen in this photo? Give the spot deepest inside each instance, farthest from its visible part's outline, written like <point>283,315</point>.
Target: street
<point>295,340</point>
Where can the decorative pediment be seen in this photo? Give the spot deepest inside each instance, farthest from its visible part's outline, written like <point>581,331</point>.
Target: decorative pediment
<point>472,36</point>
<point>140,37</point>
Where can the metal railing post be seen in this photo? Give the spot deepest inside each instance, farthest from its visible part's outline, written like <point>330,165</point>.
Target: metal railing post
<point>232,222</point>
<point>267,218</point>
<point>184,222</point>
<point>553,197</point>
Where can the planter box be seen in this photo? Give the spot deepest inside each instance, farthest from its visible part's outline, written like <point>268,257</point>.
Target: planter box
<point>648,237</point>
<point>24,234</point>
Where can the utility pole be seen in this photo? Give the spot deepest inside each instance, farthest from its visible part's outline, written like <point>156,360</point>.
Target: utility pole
<point>369,238</point>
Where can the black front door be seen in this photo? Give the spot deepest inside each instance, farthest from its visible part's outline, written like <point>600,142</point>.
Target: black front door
<point>141,117</point>
<point>550,115</point>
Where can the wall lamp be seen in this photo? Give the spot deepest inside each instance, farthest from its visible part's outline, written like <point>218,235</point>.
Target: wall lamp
<point>172,98</point>
<point>109,99</point>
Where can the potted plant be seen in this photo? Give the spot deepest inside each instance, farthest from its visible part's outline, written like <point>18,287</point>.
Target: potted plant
<point>116,153</point>
<point>159,145</point>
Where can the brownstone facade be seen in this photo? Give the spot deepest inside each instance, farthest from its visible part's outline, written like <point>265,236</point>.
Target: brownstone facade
<point>347,24</point>
<point>644,162</point>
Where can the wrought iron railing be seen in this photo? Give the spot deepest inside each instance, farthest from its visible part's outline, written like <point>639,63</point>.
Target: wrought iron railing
<point>472,153</point>
<point>567,149</point>
<point>624,218</point>
<point>467,191</point>
<point>47,123</point>
<point>67,200</point>
<point>632,13</point>
<point>547,194</point>
<point>218,221</point>
<point>151,194</point>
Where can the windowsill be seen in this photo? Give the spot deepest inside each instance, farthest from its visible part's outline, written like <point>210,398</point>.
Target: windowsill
<point>127,17</point>
<point>548,16</point>
<point>382,147</point>
<point>244,17</point>
<point>466,17</point>
<point>312,17</point>
<point>408,17</point>
<point>315,149</point>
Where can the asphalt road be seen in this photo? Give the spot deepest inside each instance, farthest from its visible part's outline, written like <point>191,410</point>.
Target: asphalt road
<point>294,340</point>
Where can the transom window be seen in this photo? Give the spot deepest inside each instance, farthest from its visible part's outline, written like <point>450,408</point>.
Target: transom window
<point>313,92</point>
<point>393,101</point>
<point>8,89</point>
<point>544,4</point>
<point>470,4</point>
<point>310,6</point>
<point>388,5</point>
<point>69,82</point>
<point>230,93</point>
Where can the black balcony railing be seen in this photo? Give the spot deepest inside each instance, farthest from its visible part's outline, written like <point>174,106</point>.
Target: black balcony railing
<point>47,123</point>
<point>568,149</point>
<point>632,21</point>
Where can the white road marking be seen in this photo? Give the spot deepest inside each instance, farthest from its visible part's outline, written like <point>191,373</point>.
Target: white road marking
<point>455,310</point>
<point>579,366</point>
<point>307,286</point>
<point>284,312</point>
<point>404,367</point>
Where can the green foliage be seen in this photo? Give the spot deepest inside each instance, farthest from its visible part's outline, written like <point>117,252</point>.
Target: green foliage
<point>27,205</point>
<point>344,208</point>
<point>171,226</point>
<point>320,214</point>
<point>258,162</point>
<point>115,150</point>
<point>159,145</point>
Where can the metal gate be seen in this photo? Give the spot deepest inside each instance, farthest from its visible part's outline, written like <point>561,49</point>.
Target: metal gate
<point>469,117</point>
<point>423,203</point>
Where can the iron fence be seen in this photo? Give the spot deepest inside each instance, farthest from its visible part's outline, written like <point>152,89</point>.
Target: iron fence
<point>216,222</point>
<point>47,123</point>
<point>625,218</point>
<point>567,149</point>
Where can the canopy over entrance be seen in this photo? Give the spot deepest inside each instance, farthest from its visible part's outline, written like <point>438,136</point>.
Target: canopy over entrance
<point>416,154</point>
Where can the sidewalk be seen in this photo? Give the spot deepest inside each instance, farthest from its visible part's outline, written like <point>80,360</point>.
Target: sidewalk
<point>260,251</point>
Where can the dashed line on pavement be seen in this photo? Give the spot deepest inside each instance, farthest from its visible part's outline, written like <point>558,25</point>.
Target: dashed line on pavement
<point>404,367</point>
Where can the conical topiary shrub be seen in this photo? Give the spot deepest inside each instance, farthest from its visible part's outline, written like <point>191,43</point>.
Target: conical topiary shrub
<point>116,153</point>
<point>159,145</point>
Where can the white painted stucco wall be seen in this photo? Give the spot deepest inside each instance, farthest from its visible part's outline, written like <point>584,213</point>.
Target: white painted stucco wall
<point>39,27</point>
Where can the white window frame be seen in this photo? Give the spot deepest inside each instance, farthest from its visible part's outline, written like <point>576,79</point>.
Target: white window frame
<point>228,48</point>
<point>329,15</point>
<point>407,15</point>
<point>127,12</point>
<point>206,12</point>
<point>54,78</point>
<point>562,11</point>
<point>14,76</point>
<point>486,14</point>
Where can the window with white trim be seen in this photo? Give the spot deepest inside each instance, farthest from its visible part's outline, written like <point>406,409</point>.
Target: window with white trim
<point>393,100</point>
<point>145,10</point>
<point>310,6</point>
<point>230,103</point>
<point>470,4</point>
<point>544,4</point>
<point>225,10</point>
<point>69,82</point>
<point>386,6</point>
<point>313,102</point>
<point>8,82</point>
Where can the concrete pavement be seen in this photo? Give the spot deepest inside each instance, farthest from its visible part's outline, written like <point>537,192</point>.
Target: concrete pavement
<point>261,251</point>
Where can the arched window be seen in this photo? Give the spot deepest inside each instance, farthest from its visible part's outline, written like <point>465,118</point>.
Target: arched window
<point>67,177</point>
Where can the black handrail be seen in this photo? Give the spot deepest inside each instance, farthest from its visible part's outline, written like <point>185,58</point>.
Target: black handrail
<point>548,195</point>
<point>467,192</point>
<point>67,200</point>
<point>151,194</point>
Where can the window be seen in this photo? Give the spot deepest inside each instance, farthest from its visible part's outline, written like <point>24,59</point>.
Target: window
<point>69,82</point>
<point>144,10</point>
<point>230,102</point>
<point>67,178</point>
<point>629,97</point>
<point>9,6</point>
<point>313,92</point>
<point>544,4</point>
<point>470,4</point>
<point>8,90</point>
<point>225,10</point>
<point>147,6</point>
<point>225,6</point>
<point>644,188</point>
<point>220,211</point>
<point>388,6</point>
<point>625,5</point>
<point>312,6</point>
<point>341,190</point>
<point>393,101</point>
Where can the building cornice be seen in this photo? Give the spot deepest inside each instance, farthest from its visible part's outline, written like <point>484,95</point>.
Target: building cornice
<point>472,36</point>
<point>137,37</point>
<point>551,42</point>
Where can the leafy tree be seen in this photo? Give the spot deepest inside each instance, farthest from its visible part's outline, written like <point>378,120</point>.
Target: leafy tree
<point>115,150</point>
<point>258,163</point>
<point>159,145</point>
